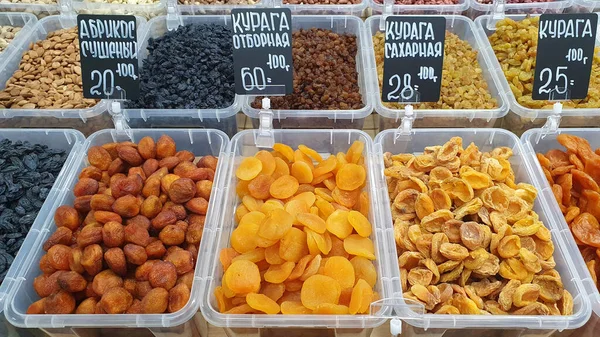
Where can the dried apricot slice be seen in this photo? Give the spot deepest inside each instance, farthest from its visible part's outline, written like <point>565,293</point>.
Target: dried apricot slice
<point>337,224</point>
<point>303,172</point>
<point>319,289</point>
<point>293,246</point>
<point>360,223</point>
<point>314,155</point>
<point>586,229</point>
<point>318,243</point>
<point>326,166</point>
<point>281,168</point>
<point>355,151</point>
<point>350,177</point>
<point>275,225</point>
<point>262,303</point>
<point>294,308</point>
<point>284,150</point>
<point>249,168</point>
<point>340,269</point>
<point>284,187</point>
<point>277,273</point>
<point>357,245</point>
<point>331,309</point>
<point>243,277</point>
<point>364,269</point>
<point>361,298</point>
<point>267,160</point>
<point>312,221</point>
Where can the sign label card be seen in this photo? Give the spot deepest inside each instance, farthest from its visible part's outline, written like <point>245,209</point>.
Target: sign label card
<point>262,51</point>
<point>413,58</point>
<point>564,56</point>
<point>109,59</point>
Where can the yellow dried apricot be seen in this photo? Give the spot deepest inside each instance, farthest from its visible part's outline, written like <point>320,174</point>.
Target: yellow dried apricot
<point>293,246</point>
<point>338,224</point>
<point>284,187</point>
<point>325,166</point>
<point>268,162</point>
<point>243,277</point>
<point>360,223</point>
<point>350,177</point>
<point>361,298</point>
<point>302,172</point>
<point>319,289</point>
<point>277,273</point>
<point>364,269</point>
<point>357,245</point>
<point>340,269</point>
<point>314,155</point>
<point>249,168</point>
<point>275,225</point>
<point>262,303</point>
<point>331,309</point>
<point>294,308</point>
<point>284,150</point>
<point>318,243</point>
<point>355,151</point>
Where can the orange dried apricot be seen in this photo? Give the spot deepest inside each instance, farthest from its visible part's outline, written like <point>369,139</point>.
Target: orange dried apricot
<point>355,151</point>
<point>360,223</point>
<point>319,289</point>
<point>268,162</point>
<point>362,295</point>
<point>302,172</point>
<point>249,168</point>
<point>284,187</point>
<point>314,155</point>
<point>364,269</point>
<point>313,222</point>
<point>277,273</point>
<point>262,303</point>
<point>243,277</point>
<point>294,308</point>
<point>325,166</point>
<point>284,150</point>
<point>357,245</point>
<point>340,269</point>
<point>350,177</point>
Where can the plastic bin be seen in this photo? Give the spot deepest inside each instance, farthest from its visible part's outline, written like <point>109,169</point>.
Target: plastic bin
<point>461,6</point>
<point>539,140</point>
<point>224,9</point>
<point>69,140</point>
<point>391,118</point>
<point>217,235</point>
<point>200,142</point>
<point>24,20</point>
<point>103,7</point>
<point>324,9</point>
<point>477,8</point>
<point>223,119</point>
<point>325,119</point>
<point>522,118</point>
<point>585,6</point>
<point>34,7</point>
<point>438,325</point>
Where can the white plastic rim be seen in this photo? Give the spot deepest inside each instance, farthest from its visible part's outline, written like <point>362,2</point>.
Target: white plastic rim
<point>152,30</point>
<point>535,7</point>
<point>200,142</point>
<point>66,139</point>
<point>218,9</point>
<point>486,140</point>
<point>456,9</point>
<point>339,24</point>
<point>217,234</point>
<point>465,29</point>
<point>145,10</point>
<point>24,20</point>
<point>547,142</point>
<point>481,23</point>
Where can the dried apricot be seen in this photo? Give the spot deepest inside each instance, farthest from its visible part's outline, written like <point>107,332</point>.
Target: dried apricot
<point>319,289</point>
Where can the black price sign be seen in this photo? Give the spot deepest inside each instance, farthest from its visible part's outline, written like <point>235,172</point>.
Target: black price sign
<point>262,51</point>
<point>564,56</point>
<point>109,59</point>
<point>413,58</point>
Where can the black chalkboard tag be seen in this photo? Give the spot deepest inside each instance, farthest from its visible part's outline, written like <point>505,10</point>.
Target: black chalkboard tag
<point>109,59</point>
<point>262,51</point>
<point>413,58</point>
<point>564,56</point>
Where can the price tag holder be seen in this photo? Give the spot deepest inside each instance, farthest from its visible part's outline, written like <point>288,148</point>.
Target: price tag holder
<point>564,56</point>
<point>109,59</point>
<point>262,51</point>
<point>413,58</point>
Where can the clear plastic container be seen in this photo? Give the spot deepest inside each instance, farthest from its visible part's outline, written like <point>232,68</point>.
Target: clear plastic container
<point>477,8</point>
<point>86,120</point>
<point>522,118</point>
<point>324,9</point>
<point>64,139</point>
<point>223,119</point>
<point>200,142</point>
<point>224,9</point>
<point>378,7</point>
<point>391,118</point>
<point>437,325</point>
<point>36,8</point>
<point>539,140</point>
<point>144,10</point>
<point>585,6</point>
<point>217,236</point>
<point>325,119</point>
<point>24,20</point>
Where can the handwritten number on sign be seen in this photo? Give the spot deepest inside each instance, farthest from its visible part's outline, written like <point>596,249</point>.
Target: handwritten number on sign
<point>106,80</point>
<point>559,76</point>
<point>255,79</point>
<point>407,87</point>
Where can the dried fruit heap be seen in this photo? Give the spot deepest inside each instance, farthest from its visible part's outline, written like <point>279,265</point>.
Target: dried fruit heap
<point>574,176</point>
<point>468,238</point>
<point>302,244</point>
<point>515,46</point>
<point>130,241</point>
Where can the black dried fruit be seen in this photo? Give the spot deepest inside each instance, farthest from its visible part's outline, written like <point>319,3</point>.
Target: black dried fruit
<point>188,68</point>
<point>27,173</point>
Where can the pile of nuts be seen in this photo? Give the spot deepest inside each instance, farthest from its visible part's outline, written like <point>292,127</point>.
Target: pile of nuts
<point>574,176</point>
<point>7,34</point>
<point>49,76</point>
<point>468,239</point>
<point>302,244</point>
<point>463,85</point>
<point>325,76</point>
<point>515,46</point>
<point>130,241</point>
